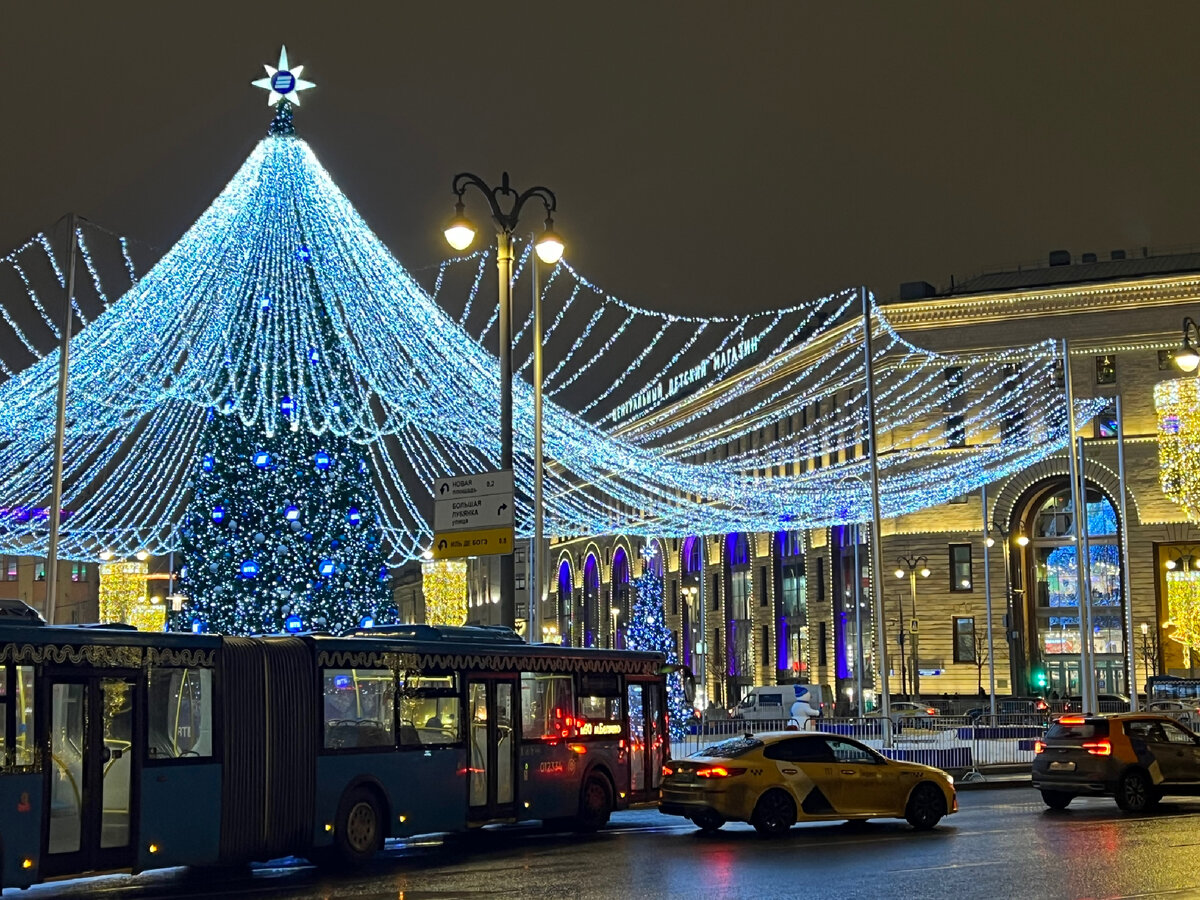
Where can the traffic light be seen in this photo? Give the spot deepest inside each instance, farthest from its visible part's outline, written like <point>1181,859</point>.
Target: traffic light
<point>1039,677</point>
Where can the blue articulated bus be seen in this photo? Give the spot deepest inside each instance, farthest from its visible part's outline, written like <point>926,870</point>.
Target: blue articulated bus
<point>127,750</point>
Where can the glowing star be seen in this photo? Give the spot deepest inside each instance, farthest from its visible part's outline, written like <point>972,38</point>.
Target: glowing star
<point>283,83</point>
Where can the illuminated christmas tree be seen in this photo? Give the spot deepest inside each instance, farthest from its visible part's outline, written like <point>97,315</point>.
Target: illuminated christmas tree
<point>648,631</point>
<point>283,529</point>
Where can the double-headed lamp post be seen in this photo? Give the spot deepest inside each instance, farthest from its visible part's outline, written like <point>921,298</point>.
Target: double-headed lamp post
<point>459,234</point>
<point>912,565</point>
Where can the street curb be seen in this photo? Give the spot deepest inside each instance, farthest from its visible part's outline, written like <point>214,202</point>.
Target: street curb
<point>993,785</point>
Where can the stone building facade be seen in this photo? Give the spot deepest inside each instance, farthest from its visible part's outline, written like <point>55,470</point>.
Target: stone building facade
<point>789,606</point>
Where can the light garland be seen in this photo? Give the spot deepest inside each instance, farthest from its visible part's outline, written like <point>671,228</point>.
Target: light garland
<point>444,587</point>
<point>122,590</point>
<point>1177,402</point>
<point>1183,608</point>
<point>232,318</point>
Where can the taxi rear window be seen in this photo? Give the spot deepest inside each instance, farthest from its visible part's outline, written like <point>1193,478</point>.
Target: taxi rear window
<point>732,748</point>
<point>1078,731</point>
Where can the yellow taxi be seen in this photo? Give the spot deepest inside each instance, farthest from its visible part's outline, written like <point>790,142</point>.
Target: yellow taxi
<point>775,780</point>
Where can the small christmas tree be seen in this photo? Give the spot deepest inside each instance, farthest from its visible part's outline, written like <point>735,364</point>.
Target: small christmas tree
<point>648,631</point>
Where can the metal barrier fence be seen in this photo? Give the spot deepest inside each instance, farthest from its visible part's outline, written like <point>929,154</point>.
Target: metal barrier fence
<point>957,743</point>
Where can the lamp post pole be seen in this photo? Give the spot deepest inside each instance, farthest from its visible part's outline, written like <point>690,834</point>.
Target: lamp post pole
<point>459,233</point>
<point>913,565</point>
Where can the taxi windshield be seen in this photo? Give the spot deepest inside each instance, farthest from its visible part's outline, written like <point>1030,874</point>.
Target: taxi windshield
<point>731,749</point>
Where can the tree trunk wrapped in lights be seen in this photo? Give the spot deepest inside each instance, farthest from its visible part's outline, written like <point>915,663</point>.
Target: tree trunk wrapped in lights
<point>1178,405</point>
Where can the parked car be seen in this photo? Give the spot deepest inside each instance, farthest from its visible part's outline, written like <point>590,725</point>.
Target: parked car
<point>1109,703</point>
<point>1034,707</point>
<point>774,780</point>
<point>1185,714</point>
<point>906,710</point>
<point>1134,757</point>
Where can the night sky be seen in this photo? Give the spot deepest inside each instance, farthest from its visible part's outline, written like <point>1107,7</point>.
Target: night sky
<point>708,157</point>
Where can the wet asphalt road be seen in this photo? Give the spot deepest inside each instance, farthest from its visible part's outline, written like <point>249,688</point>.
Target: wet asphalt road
<point>1001,844</point>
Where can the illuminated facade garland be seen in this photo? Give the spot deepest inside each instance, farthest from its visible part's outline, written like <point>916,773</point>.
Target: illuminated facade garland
<point>1177,403</point>
<point>122,590</point>
<point>444,586</point>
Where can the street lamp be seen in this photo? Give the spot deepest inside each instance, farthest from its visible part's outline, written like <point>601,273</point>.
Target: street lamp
<point>1148,655</point>
<point>913,565</point>
<point>1188,359</point>
<point>460,232</point>
<point>612,638</point>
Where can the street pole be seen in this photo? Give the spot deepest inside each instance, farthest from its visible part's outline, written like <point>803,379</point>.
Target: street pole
<point>504,258</point>
<point>858,640</point>
<point>549,247</point>
<point>912,633</point>
<point>987,599</point>
<point>1126,588</point>
<point>1078,504</point>
<point>538,572</point>
<point>876,515</point>
<point>1085,577</point>
<point>60,429</point>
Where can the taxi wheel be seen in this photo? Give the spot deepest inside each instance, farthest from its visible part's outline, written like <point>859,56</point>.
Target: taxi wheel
<point>1057,799</point>
<point>708,821</point>
<point>774,813</point>
<point>926,806</point>
<point>1135,793</point>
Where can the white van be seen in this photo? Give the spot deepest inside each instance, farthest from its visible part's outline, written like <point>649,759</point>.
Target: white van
<point>776,702</point>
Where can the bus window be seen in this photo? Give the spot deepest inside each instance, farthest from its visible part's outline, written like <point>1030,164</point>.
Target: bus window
<point>599,704</point>
<point>547,706</point>
<point>179,713</point>
<point>428,710</point>
<point>359,708</point>
<point>25,752</point>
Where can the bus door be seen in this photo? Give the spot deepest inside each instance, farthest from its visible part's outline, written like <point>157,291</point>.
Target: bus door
<point>93,764</point>
<point>646,738</point>
<point>491,747</point>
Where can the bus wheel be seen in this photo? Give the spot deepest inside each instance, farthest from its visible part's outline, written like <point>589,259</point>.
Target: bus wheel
<point>358,832</point>
<point>595,804</point>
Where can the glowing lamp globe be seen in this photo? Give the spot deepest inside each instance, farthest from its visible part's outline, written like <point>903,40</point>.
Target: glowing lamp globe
<point>292,513</point>
<point>1187,358</point>
<point>207,465</point>
<point>293,624</point>
<point>353,516</point>
<point>461,230</point>
<point>925,573</point>
<point>899,573</point>
<point>218,514</point>
<point>549,247</point>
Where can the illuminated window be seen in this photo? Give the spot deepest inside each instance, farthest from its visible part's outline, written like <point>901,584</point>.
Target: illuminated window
<point>547,706</point>
<point>960,567</point>
<point>964,639</point>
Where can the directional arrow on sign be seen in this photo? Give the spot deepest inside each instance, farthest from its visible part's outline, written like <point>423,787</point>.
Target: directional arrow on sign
<point>441,545</point>
<point>445,487</point>
<point>501,508</point>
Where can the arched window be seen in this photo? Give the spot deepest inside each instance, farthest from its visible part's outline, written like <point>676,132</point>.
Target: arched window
<point>739,589</point>
<point>791,606</point>
<point>566,612</point>
<point>1050,565</point>
<point>590,626</point>
<point>620,598</point>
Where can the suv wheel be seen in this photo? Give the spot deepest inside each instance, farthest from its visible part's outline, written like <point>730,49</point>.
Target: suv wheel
<point>1057,799</point>
<point>1135,793</point>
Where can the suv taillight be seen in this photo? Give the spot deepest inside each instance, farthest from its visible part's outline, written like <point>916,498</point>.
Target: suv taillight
<point>1039,747</point>
<point>1098,748</point>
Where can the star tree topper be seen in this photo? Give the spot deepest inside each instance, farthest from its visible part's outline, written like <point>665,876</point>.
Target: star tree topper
<point>283,83</point>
